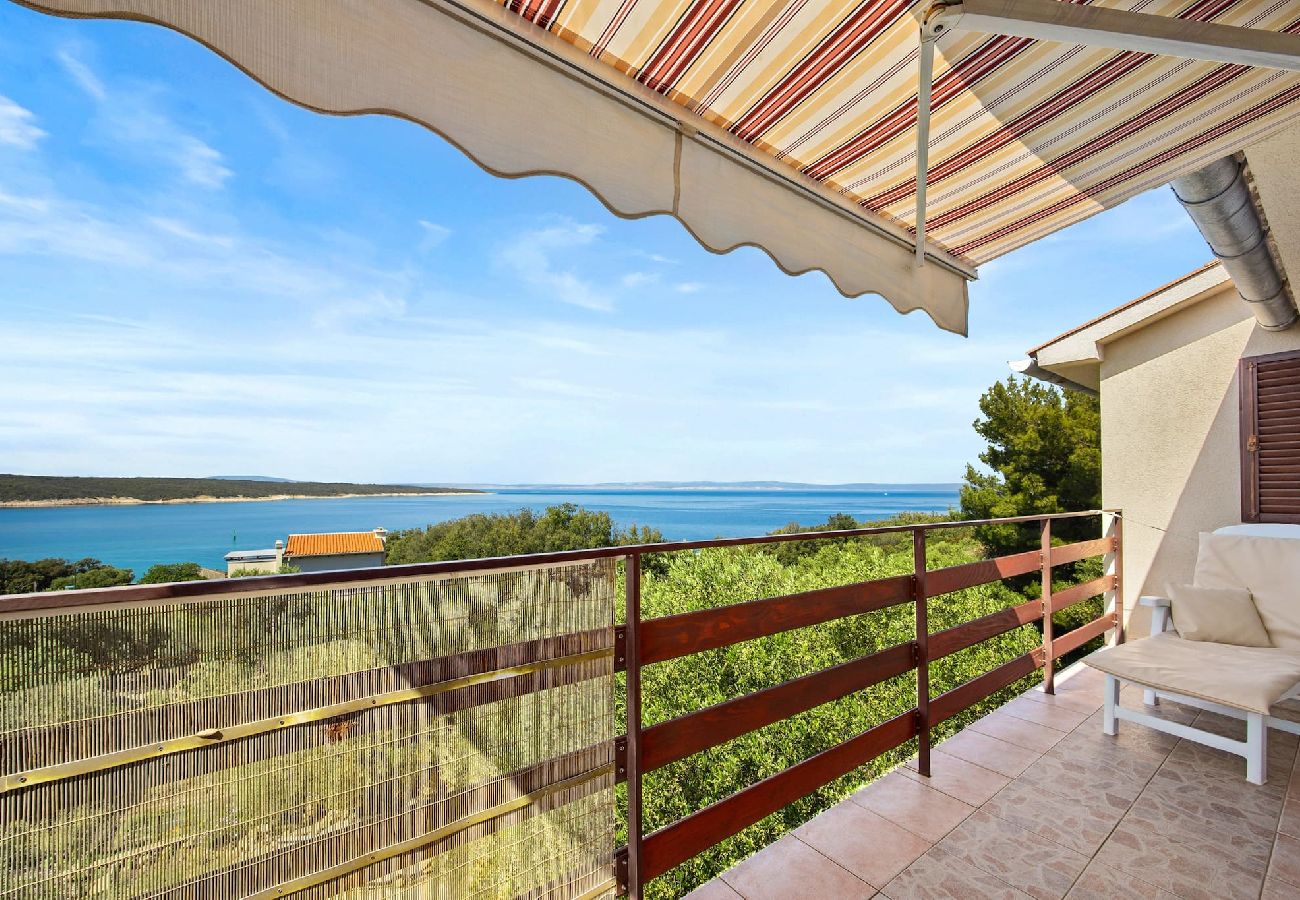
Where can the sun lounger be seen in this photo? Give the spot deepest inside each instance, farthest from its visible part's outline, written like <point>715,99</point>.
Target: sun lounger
<point>1244,682</point>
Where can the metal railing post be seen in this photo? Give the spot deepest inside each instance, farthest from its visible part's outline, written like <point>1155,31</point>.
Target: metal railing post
<point>632,575</point>
<point>1115,568</point>
<point>1045,553</point>
<point>922,653</point>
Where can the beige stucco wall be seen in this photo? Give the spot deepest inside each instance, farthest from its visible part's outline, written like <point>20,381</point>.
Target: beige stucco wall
<point>270,566</point>
<point>334,563</point>
<point>1170,442</point>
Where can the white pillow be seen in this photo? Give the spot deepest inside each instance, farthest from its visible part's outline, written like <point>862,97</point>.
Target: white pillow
<point>1267,567</point>
<point>1221,615</point>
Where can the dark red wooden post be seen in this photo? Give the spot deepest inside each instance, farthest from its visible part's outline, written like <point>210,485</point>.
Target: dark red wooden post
<point>922,653</point>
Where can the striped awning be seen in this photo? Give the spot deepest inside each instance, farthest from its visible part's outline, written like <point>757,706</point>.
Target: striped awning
<point>786,124</point>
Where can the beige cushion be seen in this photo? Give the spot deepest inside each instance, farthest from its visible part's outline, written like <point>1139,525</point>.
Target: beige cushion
<point>1249,678</point>
<point>1267,567</point>
<point>1221,615</point>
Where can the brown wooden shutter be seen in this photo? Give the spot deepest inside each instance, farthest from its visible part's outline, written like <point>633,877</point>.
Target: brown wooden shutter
<point>1270,438</point>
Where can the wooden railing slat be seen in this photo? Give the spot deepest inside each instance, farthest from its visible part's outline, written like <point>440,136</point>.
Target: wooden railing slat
<point>1081,635</point>
<point>1068,553</point>
<point>945,643</point>
<point>986,571</point>
<point>961,698</point>
<point>689,734</point>
<point>1079,592</point>
<point>686,837</point>
<point>708,629</point>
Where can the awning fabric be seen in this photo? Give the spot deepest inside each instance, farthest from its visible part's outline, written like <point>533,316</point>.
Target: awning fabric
<point>784,124</point>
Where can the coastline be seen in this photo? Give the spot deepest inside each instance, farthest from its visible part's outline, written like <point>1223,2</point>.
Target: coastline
<point>132,501</point>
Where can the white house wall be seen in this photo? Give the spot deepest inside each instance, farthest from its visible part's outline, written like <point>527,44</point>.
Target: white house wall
<point>1170,434</point>
<point>341,561</point>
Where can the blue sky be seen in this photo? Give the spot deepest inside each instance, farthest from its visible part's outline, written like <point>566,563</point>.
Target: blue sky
<point>199,278</point>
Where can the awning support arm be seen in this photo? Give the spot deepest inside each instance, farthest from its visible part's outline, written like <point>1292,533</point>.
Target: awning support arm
<point>923,141</point>
<point>924,83</point>
<point>1116,29</point>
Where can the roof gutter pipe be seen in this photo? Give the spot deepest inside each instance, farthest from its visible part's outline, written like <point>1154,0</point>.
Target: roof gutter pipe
<point>1031,368</point>
<point>1219,202</point>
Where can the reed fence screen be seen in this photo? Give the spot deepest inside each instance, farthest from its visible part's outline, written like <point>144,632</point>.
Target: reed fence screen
<point>446,736</point>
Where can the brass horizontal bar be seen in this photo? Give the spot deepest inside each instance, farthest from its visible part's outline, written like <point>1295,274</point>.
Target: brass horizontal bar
<point>599,890</point>
<point>212,737</point>
<point>438,834</point>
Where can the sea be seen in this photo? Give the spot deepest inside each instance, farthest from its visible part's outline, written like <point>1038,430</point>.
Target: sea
<point>139,536</point>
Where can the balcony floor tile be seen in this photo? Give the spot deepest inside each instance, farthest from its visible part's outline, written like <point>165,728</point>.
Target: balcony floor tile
<point>940,875</point>
<point>1020,732</point>
<point>1086,702</point>
<point>790,868</point>
<point>989,752</point>
<point>1022,859</point>
<point>1034,801</point>
<point>1062,718</point>
<point>1100,882</point>
<point>966,781</point>
<point>920,809</point>
<point>1285,864</point>
<point>1081,825</point>
<point>717,889</point>
<point>868,845</point>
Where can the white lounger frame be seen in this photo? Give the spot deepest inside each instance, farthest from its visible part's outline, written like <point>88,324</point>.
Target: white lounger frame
<point>1254,749</point>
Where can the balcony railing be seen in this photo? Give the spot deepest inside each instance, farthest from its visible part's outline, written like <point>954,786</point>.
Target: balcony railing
<point>435,722</point>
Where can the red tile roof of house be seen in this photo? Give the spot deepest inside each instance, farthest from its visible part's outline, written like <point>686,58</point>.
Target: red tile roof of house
<point>333,544</point>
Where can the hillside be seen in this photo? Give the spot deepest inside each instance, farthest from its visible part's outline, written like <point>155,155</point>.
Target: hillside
<point>42,489</point>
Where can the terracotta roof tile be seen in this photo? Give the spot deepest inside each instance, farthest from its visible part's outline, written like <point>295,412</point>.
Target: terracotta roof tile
<point>333,544</point>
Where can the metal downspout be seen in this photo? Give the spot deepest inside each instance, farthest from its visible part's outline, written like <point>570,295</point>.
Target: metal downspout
<point>1219,202</point>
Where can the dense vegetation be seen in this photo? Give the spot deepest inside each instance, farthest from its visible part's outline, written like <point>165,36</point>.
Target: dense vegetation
<point>167,573</point>
<point>563,527</point>
<point>18,576</point>
<point>45,488</point>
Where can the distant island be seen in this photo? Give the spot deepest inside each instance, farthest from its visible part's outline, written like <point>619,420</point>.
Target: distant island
<point>53,490</point>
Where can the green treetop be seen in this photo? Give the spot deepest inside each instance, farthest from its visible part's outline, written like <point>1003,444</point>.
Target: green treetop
<point>166,573</point>
<point>1044,450</point>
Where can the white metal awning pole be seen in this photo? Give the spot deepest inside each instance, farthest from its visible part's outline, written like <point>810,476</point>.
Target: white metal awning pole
<point>1117,29</point>
<point>923,85</point>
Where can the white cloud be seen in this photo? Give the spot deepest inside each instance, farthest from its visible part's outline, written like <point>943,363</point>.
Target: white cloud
<point>529,258</point>
<point>18,125</point>
<point>434,235</point>
<point>638,279</point>
<point>180,229</point>
<point>130,120</point>
<point>656,257</point>
<point>566,388</point>
<point>688,287</point>
<point>81,73</point>
<point>195,259</point>
<point>198,162</point>
<point>370,307</point>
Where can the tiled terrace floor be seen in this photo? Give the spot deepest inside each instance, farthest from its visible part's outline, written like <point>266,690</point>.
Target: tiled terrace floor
<point>1034,801</point>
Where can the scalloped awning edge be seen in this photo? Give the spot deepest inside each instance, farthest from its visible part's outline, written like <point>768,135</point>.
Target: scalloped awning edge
<point>520,101</point>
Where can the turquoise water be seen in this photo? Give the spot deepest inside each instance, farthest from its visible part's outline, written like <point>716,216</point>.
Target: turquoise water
<point>137,537</point>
